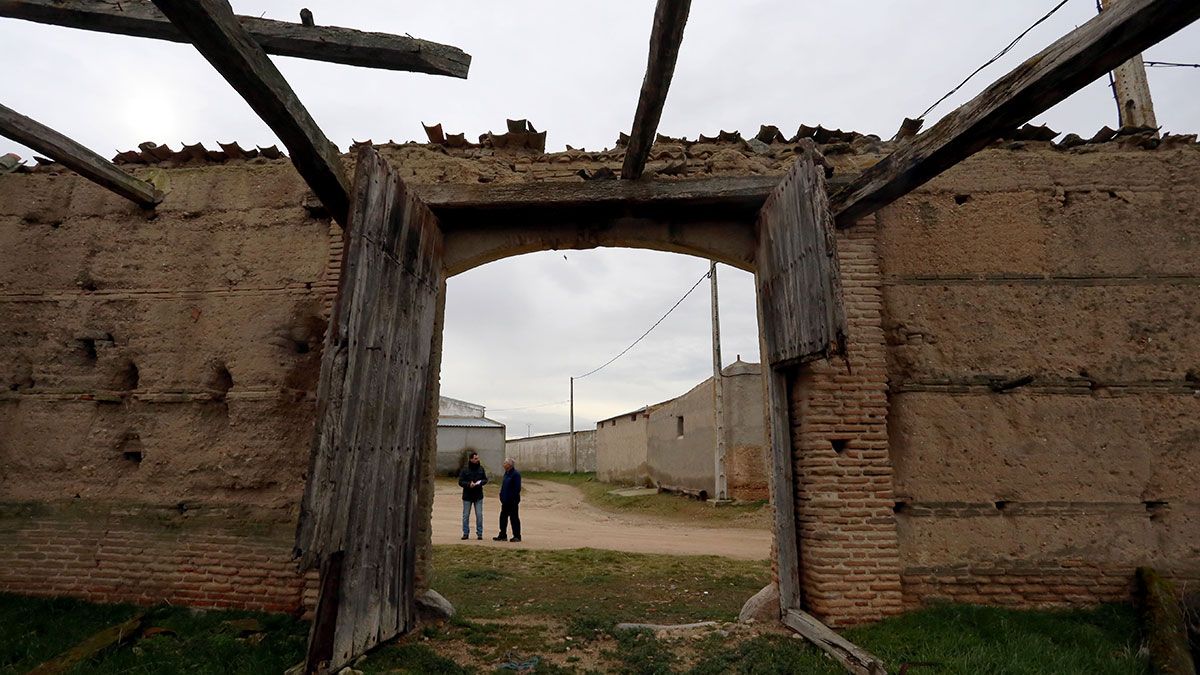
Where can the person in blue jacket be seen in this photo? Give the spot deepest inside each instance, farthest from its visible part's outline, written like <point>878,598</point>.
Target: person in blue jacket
<point>510,502</point>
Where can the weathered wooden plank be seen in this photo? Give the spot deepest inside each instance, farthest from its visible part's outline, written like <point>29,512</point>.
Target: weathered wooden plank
<point>670,16</point>
<point>799,290</point>
<point>1084,54</point>
<point>139,18</point>
<point>224,42</point>
<point>787,547</point>
<point>76,157</point>
<point>71,660</point>
<point>371,431</point>
<point>853,658</point>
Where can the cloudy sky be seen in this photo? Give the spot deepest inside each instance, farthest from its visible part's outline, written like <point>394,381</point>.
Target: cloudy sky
<point>517,329</point>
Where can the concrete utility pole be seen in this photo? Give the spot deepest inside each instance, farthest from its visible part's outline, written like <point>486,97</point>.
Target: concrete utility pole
<point>721,489</point>
<point>574,460</point>
<point>1132,89</point>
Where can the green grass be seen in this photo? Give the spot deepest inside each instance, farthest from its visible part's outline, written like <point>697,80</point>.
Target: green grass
<point>593,587</point>
<point>674,507</point>
<point>35,630</point>
<point>971,639</point>
<point>561,606</point>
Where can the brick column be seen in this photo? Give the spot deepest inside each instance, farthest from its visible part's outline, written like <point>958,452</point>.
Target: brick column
<point>849,551</point>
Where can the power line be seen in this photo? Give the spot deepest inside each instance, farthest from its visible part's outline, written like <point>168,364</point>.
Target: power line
<point>1171,64</point>
<point>995,58</point>
<point>664,316</point>
<point>529,407</point>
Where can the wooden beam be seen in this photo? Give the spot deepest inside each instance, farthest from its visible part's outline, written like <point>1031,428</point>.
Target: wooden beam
<point>670,16</point>
<point>76,157</point>
<point>853,658</point>
<point>139,18</point>
<point>1058,71</point>
<point>220,38</point>
<point>1131,88</point>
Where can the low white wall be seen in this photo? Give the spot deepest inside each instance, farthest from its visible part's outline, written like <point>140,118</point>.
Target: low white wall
<point>552,452</point>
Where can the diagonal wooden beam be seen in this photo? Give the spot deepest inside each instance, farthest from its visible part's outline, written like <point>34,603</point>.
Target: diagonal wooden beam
<point>670,16</point>
<point>76,158</point>
<point>220,38</point>
<point>140,18</point>
<point>1084,54</point>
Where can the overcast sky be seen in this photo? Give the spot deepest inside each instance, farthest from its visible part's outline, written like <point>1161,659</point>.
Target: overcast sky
<point>517,329</point>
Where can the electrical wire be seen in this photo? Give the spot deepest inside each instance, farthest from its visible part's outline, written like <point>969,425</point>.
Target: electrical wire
<point>995,58</point>
<point>1170,64</point>
<point>529,407</point>
<point>664,316</point>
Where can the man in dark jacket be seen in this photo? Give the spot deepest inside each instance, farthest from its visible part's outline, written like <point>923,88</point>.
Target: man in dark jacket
<point>472,479</point>
<point>510,502</point>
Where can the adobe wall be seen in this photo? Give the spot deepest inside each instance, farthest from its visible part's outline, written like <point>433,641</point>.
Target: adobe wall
<point>1042,318</point>
<point>621,449</point>
<point>158,373</point>
<point>683,461</point>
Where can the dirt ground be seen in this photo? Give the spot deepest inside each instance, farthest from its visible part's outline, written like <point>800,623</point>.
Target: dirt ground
<point>555,516</point>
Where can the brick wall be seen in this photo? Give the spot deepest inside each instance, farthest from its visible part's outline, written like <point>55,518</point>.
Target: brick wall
<point>147,555</point>
<point>849,553</point>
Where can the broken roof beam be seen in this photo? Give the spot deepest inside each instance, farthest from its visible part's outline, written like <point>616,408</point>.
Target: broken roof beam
<point>670,16</point>
<point>139,18</point>
<point>225,43</point>
<point>1075,60</point>
<point>74,156</point>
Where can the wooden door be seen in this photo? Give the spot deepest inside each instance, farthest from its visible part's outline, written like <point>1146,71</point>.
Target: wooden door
<point>375,418</point>
<point>801,320</point>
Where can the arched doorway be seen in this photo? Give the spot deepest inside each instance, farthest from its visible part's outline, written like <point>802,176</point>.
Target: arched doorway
<point>365,517</point>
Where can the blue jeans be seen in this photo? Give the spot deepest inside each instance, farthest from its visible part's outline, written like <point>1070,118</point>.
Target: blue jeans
<point>478,517</point>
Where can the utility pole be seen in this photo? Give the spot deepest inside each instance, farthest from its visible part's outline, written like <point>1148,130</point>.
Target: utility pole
<point>574,460</point>
<point>1132,89</point>
<point>721,489</point>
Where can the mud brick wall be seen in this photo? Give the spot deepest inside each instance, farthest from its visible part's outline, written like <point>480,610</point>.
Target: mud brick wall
<point>158,374</point>
<point>849,556</point>
<point>1042,316</point>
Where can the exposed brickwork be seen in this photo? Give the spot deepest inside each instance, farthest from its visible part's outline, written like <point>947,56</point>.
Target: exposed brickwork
<point>149,556</point>
<point>1066,583</point>
<point>849,552</point>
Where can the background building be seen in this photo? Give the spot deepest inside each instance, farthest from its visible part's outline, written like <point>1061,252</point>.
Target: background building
<point>462,428</point>
<point>673,444</point>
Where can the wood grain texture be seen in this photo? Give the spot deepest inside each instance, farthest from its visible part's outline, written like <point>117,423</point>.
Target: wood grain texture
<point>800,319</point>
<point>1072,62</point>
<point>139,18</point>
<point>783,486</point>
<point>224,42</point>
<point>670,16</point>
<point>853,658</point>
<point>372,416</point>
<point>77,158</point>
<point>799,290</point>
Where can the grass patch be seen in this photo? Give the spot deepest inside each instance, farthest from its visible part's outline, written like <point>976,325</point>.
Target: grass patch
<point>973,639</point>
<point>589,588</point>
<point>755,514</point>
<point>36,630</point>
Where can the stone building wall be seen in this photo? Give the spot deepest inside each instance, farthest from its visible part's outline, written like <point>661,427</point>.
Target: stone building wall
<point>1016,422</point>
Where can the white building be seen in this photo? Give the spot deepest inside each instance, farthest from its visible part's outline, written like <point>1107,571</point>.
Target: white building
<point>462,428</point>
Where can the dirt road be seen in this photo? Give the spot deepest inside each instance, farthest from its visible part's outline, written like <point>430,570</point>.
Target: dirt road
<point>555,516</point>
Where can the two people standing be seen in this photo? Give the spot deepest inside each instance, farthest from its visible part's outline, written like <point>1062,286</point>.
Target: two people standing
<point>472,479</point>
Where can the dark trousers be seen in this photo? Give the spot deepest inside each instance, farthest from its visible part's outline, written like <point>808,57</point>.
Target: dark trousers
<point>510,511</point>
